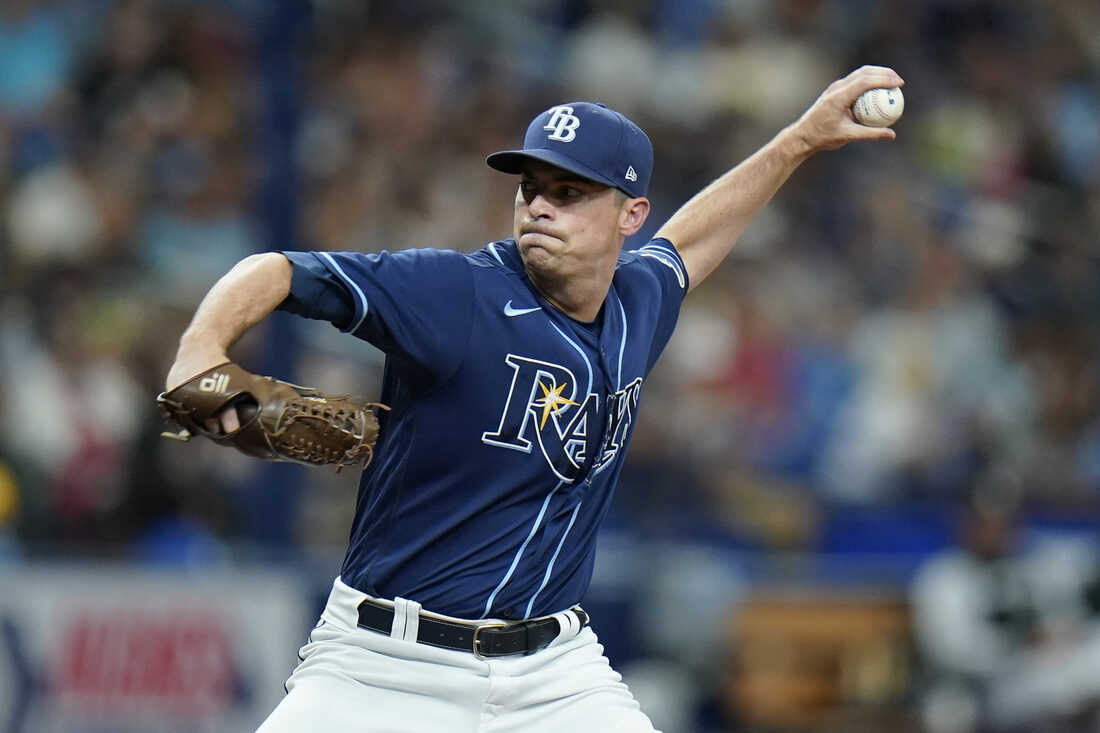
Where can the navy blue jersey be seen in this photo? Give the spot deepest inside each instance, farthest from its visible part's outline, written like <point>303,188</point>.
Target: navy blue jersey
<point>509,420</point>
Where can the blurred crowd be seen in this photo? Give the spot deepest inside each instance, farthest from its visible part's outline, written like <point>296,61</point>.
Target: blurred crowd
<point>906,321</point>
<point>907,324</point>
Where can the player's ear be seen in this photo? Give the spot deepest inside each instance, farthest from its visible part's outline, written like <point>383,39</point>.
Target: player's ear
<point>632,215</point>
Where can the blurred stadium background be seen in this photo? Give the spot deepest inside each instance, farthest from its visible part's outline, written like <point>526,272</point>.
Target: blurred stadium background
<point>865,484</point>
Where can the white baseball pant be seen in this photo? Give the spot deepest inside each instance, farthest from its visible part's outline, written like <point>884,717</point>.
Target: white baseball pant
<point>353,679</point>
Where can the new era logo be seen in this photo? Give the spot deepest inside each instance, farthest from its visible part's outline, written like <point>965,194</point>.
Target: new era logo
<point>216,383</point>
<point>631,174</point>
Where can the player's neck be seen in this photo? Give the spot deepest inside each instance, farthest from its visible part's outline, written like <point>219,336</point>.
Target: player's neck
<point>580,299</point>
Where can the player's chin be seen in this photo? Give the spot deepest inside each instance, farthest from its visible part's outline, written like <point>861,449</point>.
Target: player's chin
<point>540,262</point>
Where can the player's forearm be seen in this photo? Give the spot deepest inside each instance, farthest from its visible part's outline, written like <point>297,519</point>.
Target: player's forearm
<point>243,297</point>
<point>705,229</point>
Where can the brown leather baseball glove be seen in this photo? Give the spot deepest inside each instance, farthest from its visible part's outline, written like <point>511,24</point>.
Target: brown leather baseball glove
<point>279,421</point>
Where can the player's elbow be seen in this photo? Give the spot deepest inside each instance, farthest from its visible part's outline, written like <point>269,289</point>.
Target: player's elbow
<point>271,268</point>
<point>264,260</point>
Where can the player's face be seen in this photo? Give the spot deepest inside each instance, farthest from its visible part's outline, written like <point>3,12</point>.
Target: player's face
<point>565,225</point>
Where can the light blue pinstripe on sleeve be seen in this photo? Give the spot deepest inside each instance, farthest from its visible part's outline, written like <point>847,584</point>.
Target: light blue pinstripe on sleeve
<point>354,286</point>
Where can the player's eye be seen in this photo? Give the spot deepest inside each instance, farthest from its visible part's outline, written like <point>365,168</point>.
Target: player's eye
<point>556,193</point>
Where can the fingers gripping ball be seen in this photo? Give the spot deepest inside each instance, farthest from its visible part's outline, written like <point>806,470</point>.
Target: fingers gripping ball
<point>879,107</point>
<point>279,421</point>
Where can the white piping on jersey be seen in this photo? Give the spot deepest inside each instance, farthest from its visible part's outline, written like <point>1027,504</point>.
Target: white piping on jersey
<point>519,552</point>
<point>355,287</point>
<point>580,351</point>
<point>493,252</point>
<point>667,248</point>
<point>672,252</point>
<point>667,262</point>
<point>622,346</point>
<point>553,559</point>
<point>665,257</point>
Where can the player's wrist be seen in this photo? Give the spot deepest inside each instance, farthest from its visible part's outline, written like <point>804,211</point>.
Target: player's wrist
<point>794,143</point>
<point>201,345</point>
<point>195,355</point>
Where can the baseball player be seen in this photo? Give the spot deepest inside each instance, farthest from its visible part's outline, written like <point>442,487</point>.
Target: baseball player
<point>513,377</point>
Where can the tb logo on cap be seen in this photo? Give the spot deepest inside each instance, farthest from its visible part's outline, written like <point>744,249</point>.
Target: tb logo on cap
<point>563,123</point>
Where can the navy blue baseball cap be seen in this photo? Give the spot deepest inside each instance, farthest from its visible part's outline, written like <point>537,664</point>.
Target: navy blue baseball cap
<point>591,140</point>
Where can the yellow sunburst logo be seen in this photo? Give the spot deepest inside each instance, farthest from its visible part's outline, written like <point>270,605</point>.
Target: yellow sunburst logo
<point>551,401</point>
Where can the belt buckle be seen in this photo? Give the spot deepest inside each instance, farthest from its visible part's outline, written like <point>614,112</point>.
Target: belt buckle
<point>477,640</point>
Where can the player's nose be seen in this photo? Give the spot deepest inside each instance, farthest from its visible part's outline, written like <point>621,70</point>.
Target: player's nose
<point>540,207</point>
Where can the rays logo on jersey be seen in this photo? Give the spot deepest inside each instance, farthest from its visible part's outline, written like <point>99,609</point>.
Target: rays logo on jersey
<point>544,407</point>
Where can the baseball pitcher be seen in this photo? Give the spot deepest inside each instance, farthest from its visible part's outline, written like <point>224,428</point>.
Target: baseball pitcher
<point>512,382</point>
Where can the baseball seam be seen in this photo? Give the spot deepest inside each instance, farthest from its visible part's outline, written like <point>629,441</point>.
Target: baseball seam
<point>876,99</point>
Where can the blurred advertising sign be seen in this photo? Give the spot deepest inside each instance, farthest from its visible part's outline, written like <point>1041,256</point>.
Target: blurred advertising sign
<point>92,650</point>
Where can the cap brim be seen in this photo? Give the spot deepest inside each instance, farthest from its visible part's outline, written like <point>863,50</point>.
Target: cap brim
<point>512,161</point>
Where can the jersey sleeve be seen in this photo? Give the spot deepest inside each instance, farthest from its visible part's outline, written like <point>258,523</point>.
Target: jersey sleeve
<point>317,293</point>
<point>667,268</point>
<point>416,304</point>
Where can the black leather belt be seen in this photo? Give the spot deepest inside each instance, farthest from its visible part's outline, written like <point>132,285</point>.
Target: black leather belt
<point>483,640</point>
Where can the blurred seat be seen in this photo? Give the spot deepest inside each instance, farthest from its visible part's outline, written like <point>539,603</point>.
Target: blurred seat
<point>820,662</point>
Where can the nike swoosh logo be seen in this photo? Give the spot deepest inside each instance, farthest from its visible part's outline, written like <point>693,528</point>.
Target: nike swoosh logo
<point>513,312</point>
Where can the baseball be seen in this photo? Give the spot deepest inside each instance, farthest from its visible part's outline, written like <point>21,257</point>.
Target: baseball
<point>879,107</point>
